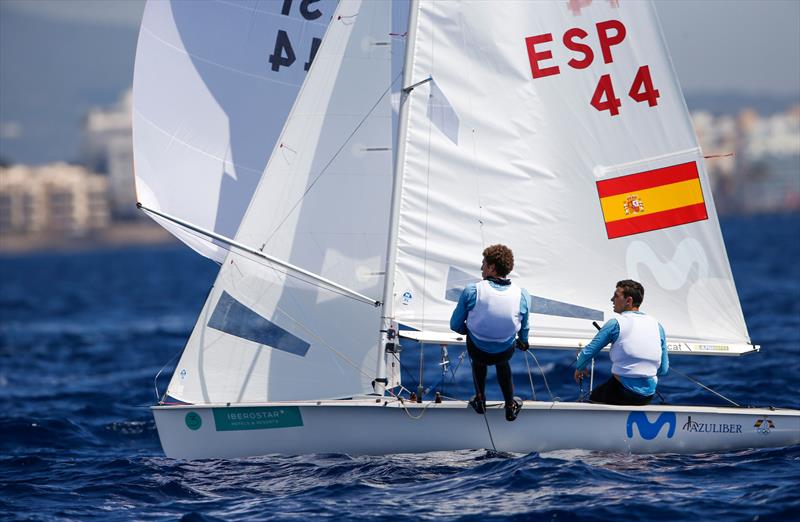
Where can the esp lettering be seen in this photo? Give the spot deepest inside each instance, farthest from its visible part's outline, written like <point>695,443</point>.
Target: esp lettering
<point>609,34</point>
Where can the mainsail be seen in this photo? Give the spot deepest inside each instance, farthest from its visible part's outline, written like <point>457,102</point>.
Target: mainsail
<point>559,129</point>
<point>268,333</point>
<point>211,93</point>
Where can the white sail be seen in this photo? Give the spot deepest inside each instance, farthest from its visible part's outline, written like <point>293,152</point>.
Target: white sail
<point>518,139</point>
<point>211,94</point>
<point>268,333</point>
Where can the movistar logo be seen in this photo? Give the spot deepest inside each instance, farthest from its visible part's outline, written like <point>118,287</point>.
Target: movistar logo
<point>650,430</point>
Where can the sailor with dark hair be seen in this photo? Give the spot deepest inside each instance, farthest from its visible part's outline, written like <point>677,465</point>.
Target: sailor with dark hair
<point>493,314</point>
<point>638,351</point>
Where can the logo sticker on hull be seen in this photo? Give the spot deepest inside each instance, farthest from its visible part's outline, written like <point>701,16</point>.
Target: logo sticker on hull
<point>764,426</point>
<point>193,421</point>
<point>710,427</point>
<point>257,418</point>
<point>650,430</point>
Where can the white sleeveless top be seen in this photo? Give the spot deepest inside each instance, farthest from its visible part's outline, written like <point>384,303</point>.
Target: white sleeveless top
<point>637,351</point>
<point>496,316</point>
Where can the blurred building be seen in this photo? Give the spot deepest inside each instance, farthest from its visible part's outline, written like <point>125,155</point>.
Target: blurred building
<point>108,149</point>
<point>57,199</point>
<point>753,161</point>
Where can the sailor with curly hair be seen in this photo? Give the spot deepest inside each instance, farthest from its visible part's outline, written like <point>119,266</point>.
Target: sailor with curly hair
<point>493,314</point>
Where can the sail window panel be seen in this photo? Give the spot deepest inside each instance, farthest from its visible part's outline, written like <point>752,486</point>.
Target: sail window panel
<point>234,318</point>
<point>458,279</point>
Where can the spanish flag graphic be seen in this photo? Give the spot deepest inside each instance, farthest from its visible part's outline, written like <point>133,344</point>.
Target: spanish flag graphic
<point>652,200</point>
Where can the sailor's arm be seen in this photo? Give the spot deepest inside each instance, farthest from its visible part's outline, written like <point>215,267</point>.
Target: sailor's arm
<point>522,335</point>
<point>607,334</point>
<point>466,302</point>
<point>664,368</point>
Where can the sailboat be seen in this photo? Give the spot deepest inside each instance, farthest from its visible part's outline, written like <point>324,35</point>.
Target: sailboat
<point>346,163</point>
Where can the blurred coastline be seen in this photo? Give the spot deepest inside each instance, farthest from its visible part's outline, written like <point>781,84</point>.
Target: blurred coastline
<point>753,164</point>
<point>113,236</point>
<point>66,154</point>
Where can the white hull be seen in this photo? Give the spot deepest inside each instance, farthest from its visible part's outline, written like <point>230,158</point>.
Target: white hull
<point>349,426</point>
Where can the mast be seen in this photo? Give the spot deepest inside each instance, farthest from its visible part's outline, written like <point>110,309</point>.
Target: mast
<point>387,334</point>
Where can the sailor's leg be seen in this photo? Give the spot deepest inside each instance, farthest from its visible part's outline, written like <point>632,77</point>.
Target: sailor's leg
<point>479,374</point>
<point>605,392</point>
<point>478,370</point>
<point>506,382</point>
<point>634,399</point>
<point>614,392</point>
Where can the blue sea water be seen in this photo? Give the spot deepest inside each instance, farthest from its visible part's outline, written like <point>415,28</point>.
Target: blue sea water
<point>82,336</point>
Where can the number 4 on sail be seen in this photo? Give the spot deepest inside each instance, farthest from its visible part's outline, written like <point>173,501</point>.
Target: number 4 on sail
<point>344,162</point>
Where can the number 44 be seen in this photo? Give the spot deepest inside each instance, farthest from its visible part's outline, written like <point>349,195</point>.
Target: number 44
<point>642,90</point>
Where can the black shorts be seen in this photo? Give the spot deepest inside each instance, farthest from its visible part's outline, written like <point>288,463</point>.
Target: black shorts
<point>614,392</point>
<point>485,358</point>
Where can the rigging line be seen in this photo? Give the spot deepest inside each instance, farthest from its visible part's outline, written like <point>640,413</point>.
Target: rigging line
<point>404,368</point>
<point>325,343</point>
<point>704,386</point>
<point>330,161</point>
<point>424,409</point>
<point>315,335</point>
<point>155,380</point>
<point>320,339</point>
<point>453,371</point>
<point>530,378</point>
<point>206,236</point>
<point>293,298</point>
<point>448,379</point>
<point>421,351</point>
<point>544,378</point>
<point>485,419</point>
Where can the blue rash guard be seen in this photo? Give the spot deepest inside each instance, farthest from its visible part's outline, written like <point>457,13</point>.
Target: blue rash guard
<point>458,321</point>
<point>608,334</point>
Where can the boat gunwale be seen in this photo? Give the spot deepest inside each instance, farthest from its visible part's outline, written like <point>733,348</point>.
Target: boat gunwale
<point>390,402</point>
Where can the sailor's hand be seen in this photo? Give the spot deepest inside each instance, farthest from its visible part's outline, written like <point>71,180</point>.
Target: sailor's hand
<point>523,345</point>
<point>579,374</point>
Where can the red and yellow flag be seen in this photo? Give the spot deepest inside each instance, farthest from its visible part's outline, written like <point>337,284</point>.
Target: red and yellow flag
<point>651,200</point>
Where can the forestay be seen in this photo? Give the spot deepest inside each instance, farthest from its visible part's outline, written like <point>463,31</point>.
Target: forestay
<point>559,129</point>
<point>211,94</point>
<point>269,334</point>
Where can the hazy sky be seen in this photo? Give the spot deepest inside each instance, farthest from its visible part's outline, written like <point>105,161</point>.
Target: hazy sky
<point>716,44</point>
<point>734,44</point>
<point>60,57</point>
